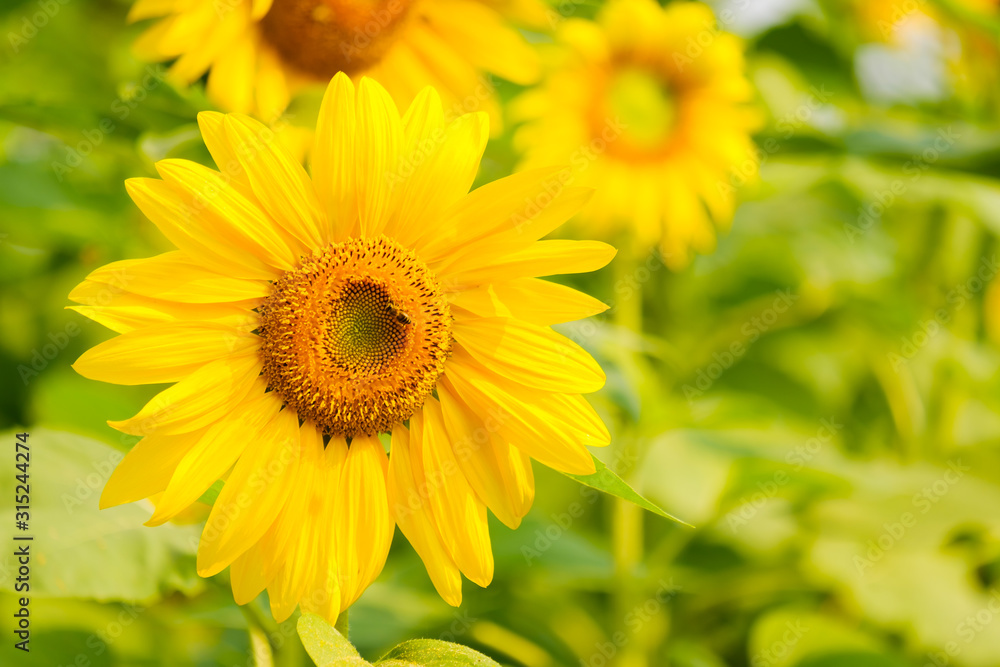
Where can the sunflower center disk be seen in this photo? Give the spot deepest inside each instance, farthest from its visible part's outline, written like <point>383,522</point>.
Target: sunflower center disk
<point>366,332</point>
<point>356,338</point>
<point>646,106</point>
<point>323,37</point>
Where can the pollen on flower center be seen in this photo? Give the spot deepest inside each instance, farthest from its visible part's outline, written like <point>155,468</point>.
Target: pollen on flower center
<point>323,37</point>
<point>356,338</point>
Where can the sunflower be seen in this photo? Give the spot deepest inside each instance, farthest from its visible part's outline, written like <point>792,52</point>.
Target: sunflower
<point>959,59</point>
<point>893,22</point>
<point>648,103</point>
<point>259,52</point>
<point>302,317</point>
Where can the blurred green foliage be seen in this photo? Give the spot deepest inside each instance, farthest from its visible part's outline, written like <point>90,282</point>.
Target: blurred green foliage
<point>819,396</point>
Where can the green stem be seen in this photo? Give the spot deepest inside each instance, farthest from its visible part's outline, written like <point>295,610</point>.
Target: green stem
<point>627,528</point>
<point>260,647</point>
<point>628,308</point>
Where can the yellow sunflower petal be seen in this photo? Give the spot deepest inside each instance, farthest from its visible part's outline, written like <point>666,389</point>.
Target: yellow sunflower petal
<point>174,277</point>
<point>438,166</point>
<point>496,206</point>
<point>480,34</point>
<point>323,596</point>
<point>530,299</point>
<point>147,9</point>
<point>291,546</point>
<point>152,312</point>
<point>271,86</point>
<point>181,223</point>
<point>147,468</point>
<point>230,82</point>
<point>195,61</point>
<point>213,131</point>
<point>260,8</point>
<point>535,219</point>
<point>278,179</point>
<point>379,143</point>
<point>553,428</point>
<point>496,476</point>
<point>200,399</point>
<point>332,158</point>
<point>217,450</point>
<point>166,353</point>
<point>543,258</point>
<point>247,576</point>
<point>361,517</point>
<point>253,495</point>
<point>412,513</point>
<point>531,355</point>
<point>236,218</point>
<point>460,514</point>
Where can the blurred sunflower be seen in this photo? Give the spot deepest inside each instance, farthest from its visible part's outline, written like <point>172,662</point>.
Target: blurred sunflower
<point>259,52</point>
<point>649,103</point>
<point>303,316</point>
<point>948,42</point>
<point>889,20</point>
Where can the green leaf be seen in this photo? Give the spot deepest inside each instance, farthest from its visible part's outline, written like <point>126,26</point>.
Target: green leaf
<point>326,646</point>
<point>81,551</point>
<point>434,653</point>
<point>607,481</point>
<point>212,493</point>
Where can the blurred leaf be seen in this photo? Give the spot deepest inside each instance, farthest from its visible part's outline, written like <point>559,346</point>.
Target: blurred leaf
<point>853,659</point>
<point>607,481</point>
<point>326,646</point>
<point>794,636</point>
<point>212,494</point>
<point>80,551</point>
<point>434,653</point>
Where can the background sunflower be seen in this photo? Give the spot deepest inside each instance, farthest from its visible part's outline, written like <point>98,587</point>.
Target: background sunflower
<point>258,53</point>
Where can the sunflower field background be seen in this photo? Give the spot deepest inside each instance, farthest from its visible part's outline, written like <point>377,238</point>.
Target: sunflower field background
<point>818,395</point>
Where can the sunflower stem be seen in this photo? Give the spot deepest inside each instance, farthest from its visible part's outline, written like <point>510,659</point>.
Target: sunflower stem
<point>260,646</point>
<point>627,518</point>
<point>627,311</point>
